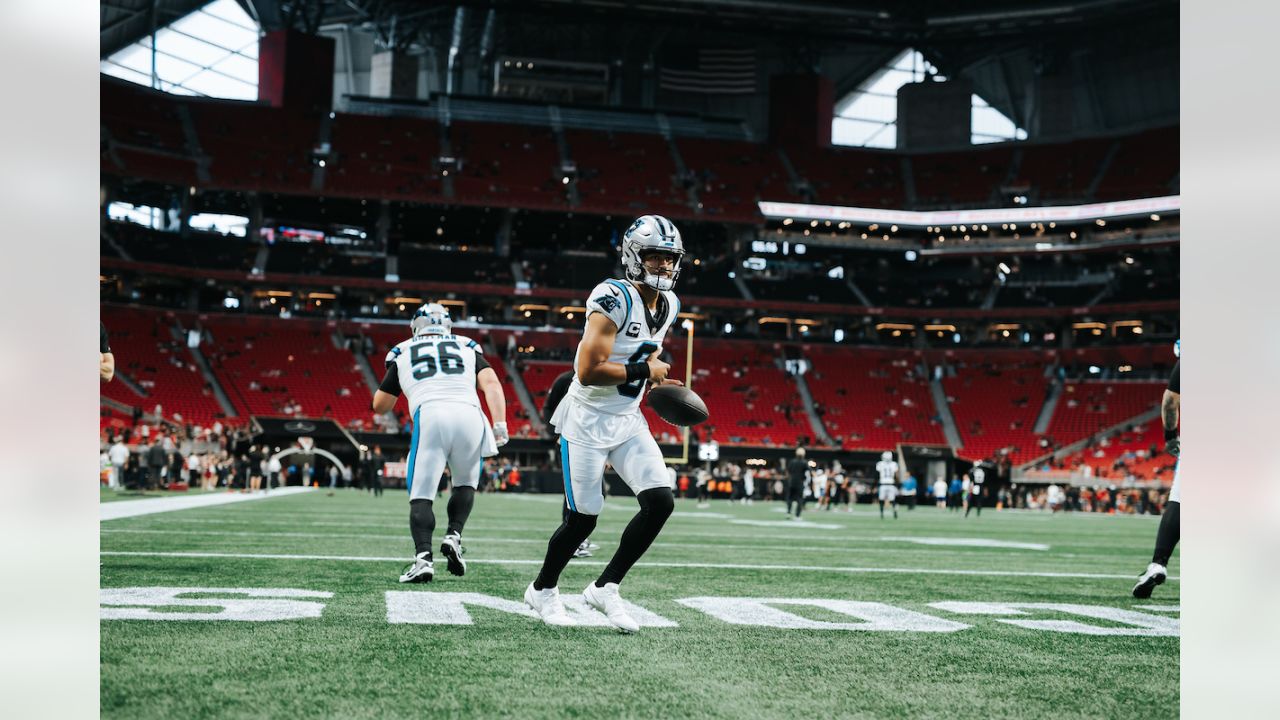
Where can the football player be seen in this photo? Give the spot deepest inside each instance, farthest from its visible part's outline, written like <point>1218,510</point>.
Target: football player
<point>1169,531</point>
<point>600,420</point>
<point>440,371</point>
<point>977,476</point>
<point>887,469</point>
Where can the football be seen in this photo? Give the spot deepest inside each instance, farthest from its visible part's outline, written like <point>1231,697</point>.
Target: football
<point>677,405</point>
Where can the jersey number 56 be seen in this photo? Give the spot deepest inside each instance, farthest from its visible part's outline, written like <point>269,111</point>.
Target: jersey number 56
<point>423,359</point>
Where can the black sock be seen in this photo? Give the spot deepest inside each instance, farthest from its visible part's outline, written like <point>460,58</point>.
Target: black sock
<point>460,502</point>
<point>422,522</point>
<point>656,505</point>
<point>564,541</point>
<point>1167,535</point>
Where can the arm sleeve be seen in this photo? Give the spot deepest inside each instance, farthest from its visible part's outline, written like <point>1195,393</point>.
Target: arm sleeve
<point>481,363</point>
<point>556,394</point>
<point>391,356</point>
<point>1173,378</point>
<point>102,339</point>
<point>613,299</point>
<point>391,383</point>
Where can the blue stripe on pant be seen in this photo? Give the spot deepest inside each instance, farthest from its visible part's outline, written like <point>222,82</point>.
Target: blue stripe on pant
<point>413,450</point>
<point>568,477</point>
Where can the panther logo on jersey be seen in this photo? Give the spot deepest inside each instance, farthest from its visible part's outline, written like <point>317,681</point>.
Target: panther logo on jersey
<point>607,303</point>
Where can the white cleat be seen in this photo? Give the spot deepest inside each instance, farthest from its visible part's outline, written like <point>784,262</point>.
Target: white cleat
<point>548,606</point>
<point>451,549</point>
<point>606,600</point>
<point>1155,575</point>
<point>421,571</point>
<point>584,550</point>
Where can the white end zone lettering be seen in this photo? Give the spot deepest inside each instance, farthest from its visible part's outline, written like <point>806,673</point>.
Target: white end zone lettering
<point>1136,623</point>
<point>872,616</point>
<point>260,605</point>
<point>449,608</point>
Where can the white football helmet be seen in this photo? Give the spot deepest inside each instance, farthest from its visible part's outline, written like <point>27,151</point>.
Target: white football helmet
<point>650,233</point>
<point>886,455</point>
<point>431,319</point>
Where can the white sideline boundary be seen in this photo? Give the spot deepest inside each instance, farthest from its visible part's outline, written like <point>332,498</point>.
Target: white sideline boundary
<point>601,563</point>
<point>150,506</point>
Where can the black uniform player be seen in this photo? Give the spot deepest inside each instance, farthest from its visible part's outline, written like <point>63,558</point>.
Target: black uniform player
<point>554,396</point>
<point>1167,535</point>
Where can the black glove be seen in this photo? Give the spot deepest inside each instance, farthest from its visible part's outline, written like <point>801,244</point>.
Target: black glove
<point>1172,445</point>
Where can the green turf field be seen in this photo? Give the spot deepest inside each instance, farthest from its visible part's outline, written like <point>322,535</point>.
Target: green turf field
<point>350,662</point>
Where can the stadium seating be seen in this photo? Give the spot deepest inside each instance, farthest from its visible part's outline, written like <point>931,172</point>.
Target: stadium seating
<point>517,163</point>
<point>865,178</point>
<point>1144,166</point>
<point>873,399</point>
<point>751,401</point>
<point>1088,407</point>
<point>1138,452</point>
<point>732,175</point>
<point>995,405</point>
<point>147,352</point>
<point>274,368</point>
<point>255,147</point>
<point>380,157</point>
<point>627,173</point>
<point>960,178</point>
<point>1062,171</point>
<point>147,132</point>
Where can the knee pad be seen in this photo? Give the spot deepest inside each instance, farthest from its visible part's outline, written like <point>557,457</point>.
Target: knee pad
<point>658,502</point>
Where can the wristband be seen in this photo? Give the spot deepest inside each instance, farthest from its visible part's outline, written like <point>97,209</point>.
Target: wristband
<point>637,371</point>
<point>1170,433</point>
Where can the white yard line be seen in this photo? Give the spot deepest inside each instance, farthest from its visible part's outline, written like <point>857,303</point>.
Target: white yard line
<point>148,506</point>
<point>601,563</point>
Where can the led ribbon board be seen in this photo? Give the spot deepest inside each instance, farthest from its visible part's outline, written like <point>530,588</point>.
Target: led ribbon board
<point>910,218</point>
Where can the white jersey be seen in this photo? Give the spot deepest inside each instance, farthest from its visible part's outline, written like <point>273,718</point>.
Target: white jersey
<point>979,475</point>
<point>434,368</point>
<point>888,471</point>
<point>636,341</point>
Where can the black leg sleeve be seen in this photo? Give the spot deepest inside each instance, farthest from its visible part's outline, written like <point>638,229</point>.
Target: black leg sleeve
<point>460,502</point>
<point>1168,534</point>
<point>564,541</point>
<point>655,507</point>
<point>422,522</point>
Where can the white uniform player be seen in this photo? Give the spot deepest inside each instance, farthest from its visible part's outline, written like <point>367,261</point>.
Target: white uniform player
<point>977,476</point>
<point>599,420</point>
<point>887,470</point>
<point>820,486</point>
<point>439,373</point>
<point>603,423</point>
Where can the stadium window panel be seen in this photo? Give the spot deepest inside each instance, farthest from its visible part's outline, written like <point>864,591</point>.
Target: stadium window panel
<point>875,101</point>
<point>212,51</point>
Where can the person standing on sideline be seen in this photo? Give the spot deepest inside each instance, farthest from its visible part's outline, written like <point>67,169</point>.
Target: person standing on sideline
<point>940,493</point>
<point>119,456</point>
<point>797,477</point>
<point>909,487</point>
<point>976,490</point>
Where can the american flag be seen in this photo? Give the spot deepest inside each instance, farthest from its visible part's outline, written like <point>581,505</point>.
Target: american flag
<point>717,71</point>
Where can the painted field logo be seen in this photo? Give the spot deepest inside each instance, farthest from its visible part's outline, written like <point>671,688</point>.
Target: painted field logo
<point>408,607</point>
